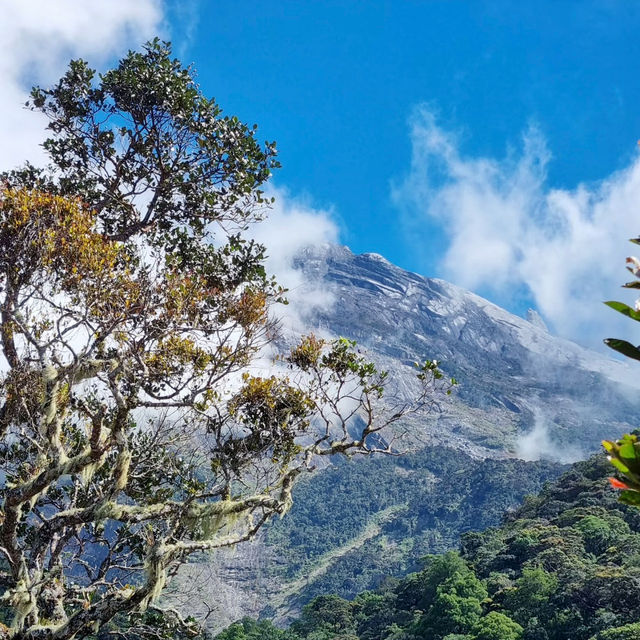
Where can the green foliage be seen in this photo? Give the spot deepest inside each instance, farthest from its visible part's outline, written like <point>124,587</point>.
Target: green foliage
<point>568,556</point>
<point>497,626</point>
<point>626,632</point>
<point>564,566</point>
<point>530,594</point>
<point>426,586</point>
<point>456,607</point>
<point>326,615</point>
<point>598,534</point>
<point>624,454</point>
<point>249,629</point>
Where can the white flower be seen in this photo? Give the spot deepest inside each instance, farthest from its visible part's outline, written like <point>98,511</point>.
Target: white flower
<point>635,269</point>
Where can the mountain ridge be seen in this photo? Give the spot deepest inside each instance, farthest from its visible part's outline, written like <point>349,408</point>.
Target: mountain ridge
<point>502,361</point>
<point>522,392</point>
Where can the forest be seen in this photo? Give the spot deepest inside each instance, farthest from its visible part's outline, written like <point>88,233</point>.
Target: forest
<point>565,565</point>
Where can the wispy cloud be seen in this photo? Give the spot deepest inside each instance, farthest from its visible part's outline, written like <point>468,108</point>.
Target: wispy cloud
<point>538,443</point>
<point>292,225</point>
<point>184,18</point>
<point>37,39</point>
<point>507,229</point>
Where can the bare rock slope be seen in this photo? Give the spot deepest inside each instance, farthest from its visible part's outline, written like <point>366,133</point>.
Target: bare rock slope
<point>515,377</point>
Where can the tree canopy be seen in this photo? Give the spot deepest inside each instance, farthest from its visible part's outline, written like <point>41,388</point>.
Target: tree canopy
<point>134,429</point>
<point>564,566</point>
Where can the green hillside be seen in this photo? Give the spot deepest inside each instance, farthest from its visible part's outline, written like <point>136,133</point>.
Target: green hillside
<point>564,566</point>
<point>358,522</point>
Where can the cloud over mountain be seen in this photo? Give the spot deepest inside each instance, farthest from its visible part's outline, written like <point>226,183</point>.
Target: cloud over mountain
<point>508,230</point>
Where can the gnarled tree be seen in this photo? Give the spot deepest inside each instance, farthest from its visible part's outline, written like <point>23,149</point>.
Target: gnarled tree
<point>133,430</point>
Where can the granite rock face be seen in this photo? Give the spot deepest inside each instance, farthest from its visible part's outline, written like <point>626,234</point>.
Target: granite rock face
<point>515,377</point>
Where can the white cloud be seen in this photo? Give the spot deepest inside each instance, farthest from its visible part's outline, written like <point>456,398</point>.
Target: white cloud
<point>507,229</point>
<point>37,40</point>
<point>291,226</point>
<point>538,444</point>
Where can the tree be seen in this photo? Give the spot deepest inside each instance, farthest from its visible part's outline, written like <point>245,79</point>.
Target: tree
<point>374,613</point>
<point>248,629</point>
<point>326,616</point>
<point>456,608</point>
<point>497,626</point>
<point>419,590</point>
<point>530,597</point>
<point>624,454</point>
<point>133,430</point>
<point>627,632</point>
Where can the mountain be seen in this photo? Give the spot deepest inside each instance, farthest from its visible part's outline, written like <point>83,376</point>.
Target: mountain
<point>515,377</point>
<point>522,392</point>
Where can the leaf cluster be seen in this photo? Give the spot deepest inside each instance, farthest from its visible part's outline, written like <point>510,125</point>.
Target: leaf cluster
<point>624,454</point>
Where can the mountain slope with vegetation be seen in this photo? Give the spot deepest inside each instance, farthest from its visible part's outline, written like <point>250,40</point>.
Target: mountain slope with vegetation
<point>418,503</point>
<point>354,524</point>
<point>564,566</point>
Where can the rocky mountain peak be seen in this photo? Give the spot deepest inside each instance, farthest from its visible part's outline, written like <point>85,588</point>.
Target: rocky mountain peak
<point>513,373</point>
<point>536,320</point>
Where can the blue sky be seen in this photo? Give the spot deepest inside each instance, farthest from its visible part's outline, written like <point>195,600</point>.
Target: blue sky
<point>490,143</point>
<point>336,83</point>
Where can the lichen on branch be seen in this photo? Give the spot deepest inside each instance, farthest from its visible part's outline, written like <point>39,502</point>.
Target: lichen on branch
<point>133,430</point>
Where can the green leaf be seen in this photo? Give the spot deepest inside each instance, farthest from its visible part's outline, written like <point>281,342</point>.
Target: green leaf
<point>632,285</point>
<point>623,347</point>
<point>630,497</point>
<point>624,309</point>
<point>635,240</point>
<point>627,452</point>
<point>619,465</point>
